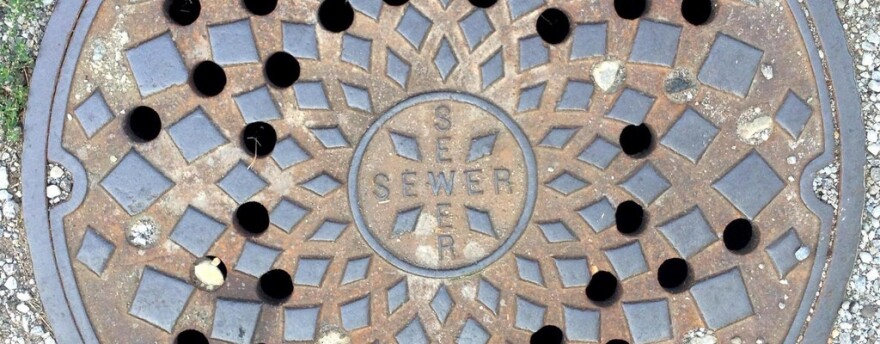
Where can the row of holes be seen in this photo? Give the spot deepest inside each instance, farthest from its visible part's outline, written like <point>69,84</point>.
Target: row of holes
<point>209,79</point>
<point>739,235</point>
<point>338,15</point>
<point>553,335</point>
<point>546,335</point>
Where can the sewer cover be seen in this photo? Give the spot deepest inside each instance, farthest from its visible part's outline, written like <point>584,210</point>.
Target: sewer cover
<point>439,171</point>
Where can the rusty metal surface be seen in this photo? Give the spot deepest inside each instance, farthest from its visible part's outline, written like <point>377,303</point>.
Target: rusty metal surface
<point>443,175</point>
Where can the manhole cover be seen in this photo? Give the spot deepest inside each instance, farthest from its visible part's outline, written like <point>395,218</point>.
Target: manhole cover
<point>443,171</point>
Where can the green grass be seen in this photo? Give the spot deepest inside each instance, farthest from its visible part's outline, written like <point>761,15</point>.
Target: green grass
<point>16,64</point>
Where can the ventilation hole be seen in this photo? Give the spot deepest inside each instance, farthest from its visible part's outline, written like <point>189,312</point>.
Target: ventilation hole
<point>144,123</point>
<point>282,69</point>
<point>636,140</point>
<point>259,138</point>
<point>252,217</point>
<point>483,3</point>
<point>697,12</point>
<point>276,285</point>
<point>629,217</point>
<point>617,341</point>
<point>739,235</point>
<point>553,26</point>
<point>191,337</point>
<point>260,7</point>
<point>602,287</point>
<point>336,15</point>
<point>209,273</point>
<point>547,335</point>
<point>396,2</point>
<point>183,12</point>
<point>630,9</point>
<point>673,273</point>
<point>209,78</point>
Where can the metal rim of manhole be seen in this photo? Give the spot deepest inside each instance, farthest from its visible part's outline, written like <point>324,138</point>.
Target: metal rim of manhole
<point>438,171</point>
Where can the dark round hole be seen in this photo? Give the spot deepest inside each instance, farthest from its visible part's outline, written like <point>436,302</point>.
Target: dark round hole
<point>697,12</point>
<point>396,2</point>
<point>276,285</point>
<point>252,217</point>
<point>220,266</point>
<point>636,140</point>
<point>483,3</point>
<point>553,26</point>
<point>673,273</point>
<point>191,337</point>
<point>209,78</point>
<point>630,9</point>
<point>336,15</point>
<point>547,335</point>
<point>144,123</point>
<point>602,287</point>
<point>183,12</point>
<point>617,341</point>
<point>260,7</point>
<point>738,235</point>
<point>629,217</point>
<point>282,69</point>
<point>259,138</point>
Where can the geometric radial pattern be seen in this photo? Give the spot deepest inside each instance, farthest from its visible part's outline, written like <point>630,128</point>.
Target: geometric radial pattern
<point>435,172</point>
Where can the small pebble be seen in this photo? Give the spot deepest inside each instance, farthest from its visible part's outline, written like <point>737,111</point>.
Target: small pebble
<point>802,253</point>
<point>53,191</point>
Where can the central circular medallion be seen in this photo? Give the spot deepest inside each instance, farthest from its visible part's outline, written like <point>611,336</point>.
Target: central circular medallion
<point>443,184</point>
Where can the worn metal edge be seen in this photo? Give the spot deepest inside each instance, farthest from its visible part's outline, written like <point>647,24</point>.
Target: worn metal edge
<point>851,205</point>
<point>47,100</point>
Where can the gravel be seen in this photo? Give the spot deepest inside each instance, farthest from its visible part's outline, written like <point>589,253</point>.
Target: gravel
<point>22,319</point>
<point>858,320</point>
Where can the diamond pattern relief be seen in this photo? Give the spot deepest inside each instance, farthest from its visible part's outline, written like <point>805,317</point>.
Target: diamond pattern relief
<point>442,304</point>
<point>322,184</point>
<point>135,183</point>
<point>647,184</point>
<point>567,183</point>
<point>414,26</point>
<point>750,185</point>
<point>406,146</point>
<point>481,147</point>
<point>476,27</point>
<point>559,137</point>
<point>445,59</point>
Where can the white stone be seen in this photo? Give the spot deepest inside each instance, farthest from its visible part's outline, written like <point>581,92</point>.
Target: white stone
<point>767,71</point>
<point>5,196</point>
<point>4,178</point>
<point>11,283</point>
<point>866,257</point>
<point>24,297</point>
<point>874,38</point>
<point>874,85</point>
<point>872,275</point>
<point>10,209</point>
<point>874,148</point>
<point>23,308</point>
<point>56,172</point>
<point>607,75</point>
<point>872,136</point>
<point>868,60</point>
<point>53,191</point>
<point>802,253</point>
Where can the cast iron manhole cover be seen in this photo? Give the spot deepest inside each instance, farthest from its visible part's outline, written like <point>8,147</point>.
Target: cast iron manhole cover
<point>440,171</point>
